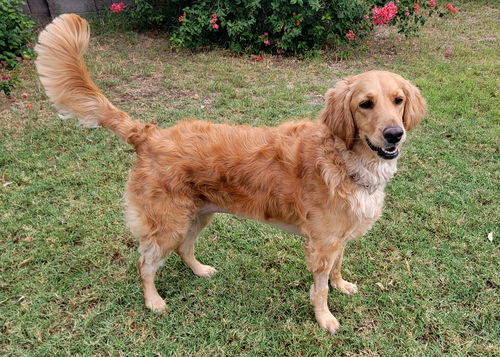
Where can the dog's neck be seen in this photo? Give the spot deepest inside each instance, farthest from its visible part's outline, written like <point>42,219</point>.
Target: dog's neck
<point>365,168</point>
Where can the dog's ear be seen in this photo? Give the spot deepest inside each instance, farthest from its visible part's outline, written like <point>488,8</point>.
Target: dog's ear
<point>337,113</point>
<point>415,106</point>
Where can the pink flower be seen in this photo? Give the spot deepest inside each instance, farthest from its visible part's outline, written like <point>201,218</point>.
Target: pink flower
<point>265,34</point>
<point>448,52</point>
<point>431,3</point>
<point>257,58</point>
<point>117,7</point>
<point>19,59</point>
<point>5,79</point>
<point>416,6</point>
<point>451,8</point>
<point>350,35</point>
<point>267,42</point>
<point>24,95</point>
<point>214,20</point>
<point>385,14</point>
<point>366,16</point>
<point>407,11</point>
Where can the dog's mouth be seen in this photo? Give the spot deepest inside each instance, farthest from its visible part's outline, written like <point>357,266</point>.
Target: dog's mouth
<point>389,153</point>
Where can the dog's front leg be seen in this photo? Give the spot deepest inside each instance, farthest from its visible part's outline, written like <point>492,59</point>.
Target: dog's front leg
<point>336,276</point>
<point>319,297</point>
<point>320,260</point>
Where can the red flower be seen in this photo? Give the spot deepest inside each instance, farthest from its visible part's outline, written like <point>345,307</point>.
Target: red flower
<point>215,26</point>
<point>451,8</point>
<point>5,79</point>
<point>181,18</point>
<point>117,7</point>
<point>350,35</point>
<point>257,58</point>
<point>416,6</point>
<point>385,14</point>
<point>431,3</point>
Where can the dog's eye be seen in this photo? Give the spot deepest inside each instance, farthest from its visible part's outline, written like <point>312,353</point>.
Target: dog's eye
<point>398,101</point>
<point>367,104</point>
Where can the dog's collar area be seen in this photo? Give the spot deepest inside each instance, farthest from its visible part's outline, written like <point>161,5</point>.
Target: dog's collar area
<point>368,187</point>
<point>386,154</point>
<point>362,172</point>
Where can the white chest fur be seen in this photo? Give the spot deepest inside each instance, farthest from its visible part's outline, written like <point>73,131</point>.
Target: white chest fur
<point>372,176</point>
<point>366,205</point>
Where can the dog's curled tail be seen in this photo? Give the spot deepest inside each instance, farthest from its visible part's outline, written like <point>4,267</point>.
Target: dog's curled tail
<point>67,82</point>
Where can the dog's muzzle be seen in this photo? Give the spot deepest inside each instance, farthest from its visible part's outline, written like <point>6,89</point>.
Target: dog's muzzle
<point>388,153</point>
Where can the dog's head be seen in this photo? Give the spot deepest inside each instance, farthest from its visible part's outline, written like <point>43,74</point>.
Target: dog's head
<point>376,108</point>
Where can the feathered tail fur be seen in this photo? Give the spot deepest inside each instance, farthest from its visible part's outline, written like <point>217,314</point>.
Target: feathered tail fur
<point>67,82</point>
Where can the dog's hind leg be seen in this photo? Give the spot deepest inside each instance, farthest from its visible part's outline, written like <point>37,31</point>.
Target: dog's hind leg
<point>186,248</point>
<point>161,227</point>
<point>154,250</point>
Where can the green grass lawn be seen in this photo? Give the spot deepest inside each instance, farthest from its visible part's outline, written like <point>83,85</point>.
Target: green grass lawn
<point>68,278</point>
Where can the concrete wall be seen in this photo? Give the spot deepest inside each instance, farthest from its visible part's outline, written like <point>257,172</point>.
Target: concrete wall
<point>43,11</point>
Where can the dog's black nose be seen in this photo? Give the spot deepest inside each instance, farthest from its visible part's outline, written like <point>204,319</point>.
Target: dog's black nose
<point>393,134</point>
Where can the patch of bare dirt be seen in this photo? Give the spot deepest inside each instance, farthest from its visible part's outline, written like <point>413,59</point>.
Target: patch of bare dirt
<point>142,87</point>
<point>317,100</point>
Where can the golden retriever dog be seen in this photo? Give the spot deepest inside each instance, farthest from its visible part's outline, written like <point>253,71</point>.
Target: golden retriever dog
<point>322,179</point>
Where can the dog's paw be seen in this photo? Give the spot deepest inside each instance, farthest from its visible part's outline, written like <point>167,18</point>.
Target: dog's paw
<point>345,287</point>
<point>205,271</point>
<point>328,322</point>
<point>156,304</point>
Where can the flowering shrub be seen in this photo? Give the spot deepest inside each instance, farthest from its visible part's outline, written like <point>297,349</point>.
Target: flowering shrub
<point>296,26</point>
<point>15,35</point>
<point>278,26</point>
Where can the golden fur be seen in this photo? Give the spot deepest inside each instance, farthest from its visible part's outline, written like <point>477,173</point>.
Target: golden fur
<point>323,179</point>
